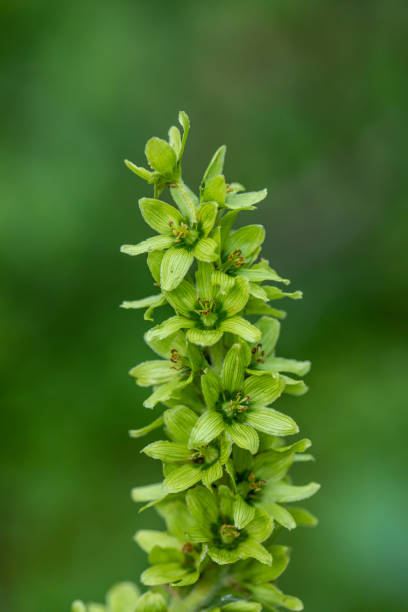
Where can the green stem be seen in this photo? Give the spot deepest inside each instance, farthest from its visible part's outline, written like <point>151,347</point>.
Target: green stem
<point>201,594</point>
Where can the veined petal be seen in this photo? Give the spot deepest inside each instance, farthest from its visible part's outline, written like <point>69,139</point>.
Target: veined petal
<point>223,556</point>
<point>216,165</point>
<point>279,364</point>
<point>244,200</point>
<point>206,215</point>
<point>303,517</point>
<point>182,298</point>
<point>165,392</point>
<point>182,478</point>
<point>202,505</point>
<point>241,327</point>
<point>271,422</point>
<point>274,293</point>
<point>270,329</point>
<point>203,280</point>
<point>156,243</point>
<point>154,260</point>
<point>284,493</point>
<point>151,300</point>
<point>257,291</point>
<point>179,422</point>
<point>163,573</point>
<point>148,493</point>
<point>174,266</point>
<point>242,606</point>
<point>185,200</point>
<point>204,337</point>
<point>294,386</point>
<point>214,190</point>
<point>142,173</point>
<point>159,215</point>
<point>211,387</point>
<point>142,431</point>
<point>280,514</point>
<point>206,250</point>
<point>164,346</point>
<point>233,369</point>
<point>160,155</point>
<point>251,548</point>
<point>261,272</point>
<point>236,299</point>
<point>175,140</point>
<point>167,328</point>
<point>269,595</point>
<point>209,426</point>
<point>263,390</point>
<point>211,474</point>
<point>168,452</point>
<point>224,282</point>
<point>150,373</point>
<point>243,513</point>
<point>149,538</point>
<point>243,436</point>
<point>261,527</point>
<point>247,239</point>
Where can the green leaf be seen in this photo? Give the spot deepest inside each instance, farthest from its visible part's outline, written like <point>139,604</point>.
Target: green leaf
<point>284,493</point>
<point>216,165</point>
<point>149,538</point>
<point>175,140</point>
<point>272,422</point>
<point>241,327</point>
<point>246,239</point>
<point>215,190</point>
<point>210,386</point>
<point>204,337</point>
<point>243,513</point>
<point>206,250</point>
<point>202,505</point>
<point>154,372</point>
<point>236,298</point>
<point>144,174</point>
<point>206,215</point>
<point>167,328</point>
<point>269,595</point>
<point>159,215</point>
<point>245,200</point>
<point>233,369</point>
<point>209,426</point>
<point>147,493</point>
<point>138,433</point>
<point>156,243</point>
<point>182,478</point>
<point>167,452</point>
<point>185,124</point>
<point>263,390</point>
<point>302,517</point>
<point>150,602</point>
<point>122,597</point>
<point>161,156</point>
<point>163,573</point>
<point>243,436</point>
<point>179,421</point>
<point>175,265</point>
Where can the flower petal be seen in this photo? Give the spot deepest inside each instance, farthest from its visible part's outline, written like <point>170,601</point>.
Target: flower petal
<point>284,493</point>
<point>242,200</point>
<point>182,478</point>
<point>241,327</point>
<point>204,337</point>
<point>243,513</point>
<point>261,527</point>
<point>182,298</point>
<point>263,390</point>
<point>233,369</point>
<point>210,386</point>
<point>203,280</point>
<point>159,215</point>
<point>252,549</point>
<point>174,266</point>
<point>202,505</point>
<point>160,156</point>
<point>156,243</point>
<point>272,422</point>
<point>270,329</point>
<point>163,573</point>
<point>214,190</point>
<point>167,328</point>
<point>206,215</point>
<point>216,165</point>
<point>209,426</point>
<point>243,436</point>
<point>179,422</point>
<point>211,474</point>
<point>150,373</point>
<point>166,451</point>
<point>142,431</point>
<point>236,299</point>
<point>247,239</point>
<point>206,250</point>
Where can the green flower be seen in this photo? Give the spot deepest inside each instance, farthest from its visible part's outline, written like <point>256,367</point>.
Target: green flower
<point>181,239</point>
<point>175,372</point>
<point>263,358</point>
<point>207,311</point>
<point>174,559</point>
<point>230,530</point>
<point>239,406</point>
<point>262,482</point>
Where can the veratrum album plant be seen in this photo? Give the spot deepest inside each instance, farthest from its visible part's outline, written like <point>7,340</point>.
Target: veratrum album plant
<point>226,451</point>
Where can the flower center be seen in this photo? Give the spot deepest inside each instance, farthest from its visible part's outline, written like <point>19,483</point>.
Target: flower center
<point>206,311</point>
<point>179,363</point>
<point>258,354</point>
<point>256,485</point>
<point>237,405</point>
<point>205,456</point>
<point>184,234</point>
<point>229,533</point>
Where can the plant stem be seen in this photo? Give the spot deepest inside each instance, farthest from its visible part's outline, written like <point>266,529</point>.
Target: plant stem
<point>201,594</point>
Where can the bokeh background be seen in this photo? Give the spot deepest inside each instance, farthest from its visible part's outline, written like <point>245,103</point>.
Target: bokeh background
<point>311,98</point>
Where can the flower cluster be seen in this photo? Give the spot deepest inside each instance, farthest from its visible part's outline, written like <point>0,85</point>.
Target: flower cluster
<point>226,493</point>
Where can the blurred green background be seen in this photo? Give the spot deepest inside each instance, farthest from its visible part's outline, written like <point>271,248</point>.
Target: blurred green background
<point>311,98</point>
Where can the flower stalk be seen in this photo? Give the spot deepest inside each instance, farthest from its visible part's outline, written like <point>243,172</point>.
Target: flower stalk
<point>226,492</point>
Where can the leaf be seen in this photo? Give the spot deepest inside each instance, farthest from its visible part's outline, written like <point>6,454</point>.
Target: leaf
<point>163,573</point>
<point>182,478</point>
<point>284,493</point>
<point>241,327</point>
<point>122,597</point>
<point>243,513</point>
<point>159,215</point>
<point>245,200</point>
<point>204,337</point>
<point>243,436</point>
<point>161,156</point>
<point>209,426</point>
<point>246,239</point>
<point>167,452</point>
<point>215,190</point>
<point>138,433</point>
<point>202,505</point>
<point>206,250</point>
<point>216,165</point>
<point>236,298</point>
<point>263,390</point>
<point>272,422</point>
<point>144,174</point>
<point>233,369</point>
<point>210,386</point>
<point>156,243</point>
<point>179,421</point>
<point>150,602</point>
<point>174,266</point>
